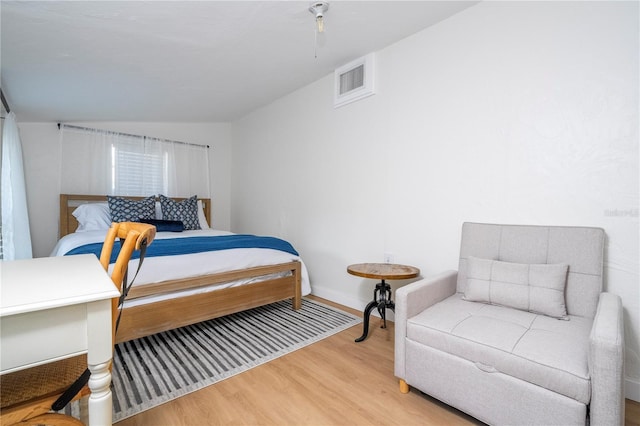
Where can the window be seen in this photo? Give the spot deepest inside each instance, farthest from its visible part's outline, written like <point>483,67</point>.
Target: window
<point>138,172</point>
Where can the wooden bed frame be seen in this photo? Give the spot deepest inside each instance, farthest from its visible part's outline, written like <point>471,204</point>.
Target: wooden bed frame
<point>146,319</point>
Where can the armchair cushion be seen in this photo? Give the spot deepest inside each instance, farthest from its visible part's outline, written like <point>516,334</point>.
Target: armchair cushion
<point>580,247</point>
<point>534,348</point>
<point>537,288</point>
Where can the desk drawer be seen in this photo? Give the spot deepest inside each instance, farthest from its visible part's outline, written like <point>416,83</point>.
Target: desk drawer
<point>37,337</point>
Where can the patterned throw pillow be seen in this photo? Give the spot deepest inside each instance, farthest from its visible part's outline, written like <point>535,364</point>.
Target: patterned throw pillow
<point>185,211</point>
<point>124,210</point>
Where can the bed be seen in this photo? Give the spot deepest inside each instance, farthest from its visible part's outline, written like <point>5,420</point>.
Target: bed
<point>172,291</point>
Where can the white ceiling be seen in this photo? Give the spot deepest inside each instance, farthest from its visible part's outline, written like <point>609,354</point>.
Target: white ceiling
<point>184,61</point>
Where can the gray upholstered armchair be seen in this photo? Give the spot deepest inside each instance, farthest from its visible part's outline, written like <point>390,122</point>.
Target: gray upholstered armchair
<point>522,333</point>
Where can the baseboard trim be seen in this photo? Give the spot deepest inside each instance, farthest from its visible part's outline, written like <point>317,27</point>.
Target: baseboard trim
<point>632,389</point>
<point>351,302</point>
<point>338,297</point>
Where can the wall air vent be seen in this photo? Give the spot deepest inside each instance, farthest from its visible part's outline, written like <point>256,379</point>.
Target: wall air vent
<point>354,81</point>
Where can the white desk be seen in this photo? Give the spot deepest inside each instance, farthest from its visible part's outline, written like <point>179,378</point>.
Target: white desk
<point>58,307</point>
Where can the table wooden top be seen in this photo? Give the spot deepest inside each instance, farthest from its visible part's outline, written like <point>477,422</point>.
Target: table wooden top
<point>383,271</point>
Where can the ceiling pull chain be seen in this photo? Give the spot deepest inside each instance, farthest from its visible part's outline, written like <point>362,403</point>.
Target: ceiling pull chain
<point>315,45</point>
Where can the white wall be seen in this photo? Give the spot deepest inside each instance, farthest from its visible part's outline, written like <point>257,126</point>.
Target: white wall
<point>509,112</point>
<point>41,151</point>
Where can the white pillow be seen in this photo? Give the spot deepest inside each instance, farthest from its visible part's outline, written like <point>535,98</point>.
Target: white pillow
<point>201,217</point>
<point>92,217</point>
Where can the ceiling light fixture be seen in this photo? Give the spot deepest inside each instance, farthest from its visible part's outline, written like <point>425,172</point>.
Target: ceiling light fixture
<point>318,8</point>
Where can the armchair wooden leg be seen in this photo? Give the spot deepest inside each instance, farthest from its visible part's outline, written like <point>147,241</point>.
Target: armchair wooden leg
<point>404,387</point>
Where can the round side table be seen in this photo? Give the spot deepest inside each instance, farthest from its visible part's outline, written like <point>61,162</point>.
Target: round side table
<point>382,292</point>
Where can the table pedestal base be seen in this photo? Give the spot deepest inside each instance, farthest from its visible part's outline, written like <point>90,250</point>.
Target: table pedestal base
<point>381,300</point>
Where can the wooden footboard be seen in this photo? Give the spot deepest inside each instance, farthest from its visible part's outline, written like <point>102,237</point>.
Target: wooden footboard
<point>146,319</point>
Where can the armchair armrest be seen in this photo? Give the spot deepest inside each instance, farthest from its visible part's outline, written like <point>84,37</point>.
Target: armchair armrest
<point>606,362</point>
<point>413,299</point>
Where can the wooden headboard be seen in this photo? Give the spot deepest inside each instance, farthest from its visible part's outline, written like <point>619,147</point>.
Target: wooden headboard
<point>68,203</point>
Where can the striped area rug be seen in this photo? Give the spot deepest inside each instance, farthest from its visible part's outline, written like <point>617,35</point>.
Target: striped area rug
<point>152,370</point>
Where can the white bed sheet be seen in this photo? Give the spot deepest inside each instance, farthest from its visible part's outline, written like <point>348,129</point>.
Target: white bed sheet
<point>163,268</point>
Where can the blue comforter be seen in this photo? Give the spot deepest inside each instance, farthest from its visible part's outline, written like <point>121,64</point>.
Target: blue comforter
<point>176,246</point>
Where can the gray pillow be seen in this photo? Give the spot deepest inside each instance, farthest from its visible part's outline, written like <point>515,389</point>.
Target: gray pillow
<point>125,210</point>
<point>537,288</point>
<point>185,211</point>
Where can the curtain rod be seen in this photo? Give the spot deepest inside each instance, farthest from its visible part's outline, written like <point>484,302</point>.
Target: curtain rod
<point>71,126</point>
<point>4,101</point>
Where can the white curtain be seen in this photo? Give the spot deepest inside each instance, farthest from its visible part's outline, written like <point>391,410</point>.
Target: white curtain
<point>194,159</point>
<point>102,162</point>
<point>85,165</point>
<point>16,237</point>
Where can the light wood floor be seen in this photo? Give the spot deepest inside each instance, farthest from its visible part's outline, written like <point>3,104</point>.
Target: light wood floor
<point>333,382</point>
<point>632,413</point>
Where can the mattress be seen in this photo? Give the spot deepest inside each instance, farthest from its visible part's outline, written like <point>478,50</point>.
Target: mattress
<point>167,268</point>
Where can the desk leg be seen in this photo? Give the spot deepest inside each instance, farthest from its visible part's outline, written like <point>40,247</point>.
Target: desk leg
<point>100,400</point>
<point>382,301</point>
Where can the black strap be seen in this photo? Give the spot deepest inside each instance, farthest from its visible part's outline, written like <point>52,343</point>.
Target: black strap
<point>81,381</point>
<point>71,391</point>
<point>126,287</point>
